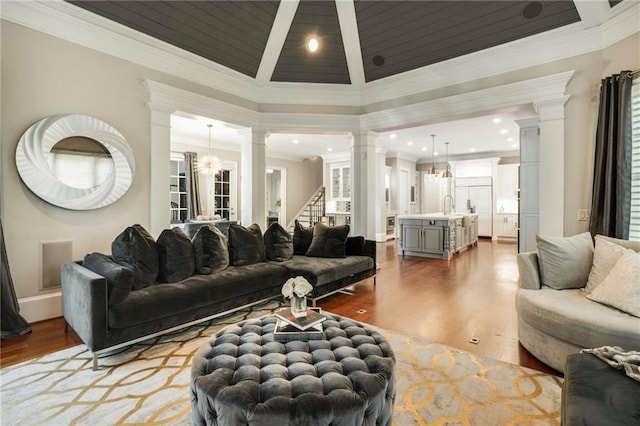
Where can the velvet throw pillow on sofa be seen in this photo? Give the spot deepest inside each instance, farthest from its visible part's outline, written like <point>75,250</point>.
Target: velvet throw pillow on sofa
<point>246,245</point>
<point>136,249</point>
<point>175,254</point>
<point>301,238</point>
<point>278,243</point>
<point>355,246</point>
<point>119,278</point>
<point>328,241</point>
<point>211,250</point>
<point>565,262</point>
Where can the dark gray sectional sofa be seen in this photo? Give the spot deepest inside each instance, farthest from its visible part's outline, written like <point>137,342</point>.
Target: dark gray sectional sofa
<point>105,323</point>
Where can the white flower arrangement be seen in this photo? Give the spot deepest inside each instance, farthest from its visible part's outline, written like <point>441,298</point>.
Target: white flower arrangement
<point>298,286</point>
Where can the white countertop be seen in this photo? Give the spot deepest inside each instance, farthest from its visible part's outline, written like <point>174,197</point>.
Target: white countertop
<point>436,216</point>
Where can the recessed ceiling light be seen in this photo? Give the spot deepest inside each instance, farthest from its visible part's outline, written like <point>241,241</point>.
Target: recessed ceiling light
<point>532,10</point>
<point>392,135</point>
<point>329,149</point>
<point>504,131</point>
<point>509,139</point>
<point>296,141</point>
<point>378,60</point>
<point>424,148</point>
<point>410,143</point>
<point>472,150</point>
<point>435,153</point>
<point>313,44</point>
<point>514,145</point>
<point>496,120</point>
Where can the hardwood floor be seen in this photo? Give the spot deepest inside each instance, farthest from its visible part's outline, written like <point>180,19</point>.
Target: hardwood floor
<point>449,302</point>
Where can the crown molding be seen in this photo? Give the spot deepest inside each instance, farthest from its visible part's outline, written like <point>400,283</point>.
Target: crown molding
<point>310,122</point>
<point>483,155</point>
<point>537,90</point>
<point>68,22</point>
<point>169,98</point>
<point>623,22</point>
<point>402,156</point>
<point>337,157</point>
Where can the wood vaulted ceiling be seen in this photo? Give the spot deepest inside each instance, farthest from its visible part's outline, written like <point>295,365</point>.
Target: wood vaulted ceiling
<point>395,36</point>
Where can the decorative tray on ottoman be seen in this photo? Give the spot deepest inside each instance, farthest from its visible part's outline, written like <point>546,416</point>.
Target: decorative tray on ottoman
<point>303,329</point>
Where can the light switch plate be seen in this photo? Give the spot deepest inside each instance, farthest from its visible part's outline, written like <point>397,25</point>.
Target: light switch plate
<point>583,215</point>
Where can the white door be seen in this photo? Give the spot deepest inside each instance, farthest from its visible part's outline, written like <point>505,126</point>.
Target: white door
<point>403,192</point>
<point>225,191</point>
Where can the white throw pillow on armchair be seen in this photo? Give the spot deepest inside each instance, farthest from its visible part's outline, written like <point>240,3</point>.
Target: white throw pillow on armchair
<point>605,256</point>
<point>621,288</point>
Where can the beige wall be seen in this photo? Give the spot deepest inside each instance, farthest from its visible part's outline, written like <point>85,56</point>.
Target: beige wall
<point>44,76</point>
<point>303,178</point>
<point>580,123</point>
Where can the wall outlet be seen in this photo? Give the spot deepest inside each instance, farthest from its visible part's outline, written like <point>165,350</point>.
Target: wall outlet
<point>583,215</point>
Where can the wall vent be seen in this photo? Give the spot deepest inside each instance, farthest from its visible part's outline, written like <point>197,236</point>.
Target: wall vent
<point>54,254</point>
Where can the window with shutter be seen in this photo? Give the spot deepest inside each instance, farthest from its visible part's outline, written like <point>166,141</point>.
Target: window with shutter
<point>634,227</point>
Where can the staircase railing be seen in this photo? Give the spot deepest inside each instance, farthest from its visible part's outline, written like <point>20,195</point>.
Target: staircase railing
<point>313,211</point>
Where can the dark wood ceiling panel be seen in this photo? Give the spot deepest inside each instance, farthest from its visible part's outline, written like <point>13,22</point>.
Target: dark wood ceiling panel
<point>410,35</point>
<point>233,34</point>
<point>329,63</point>
<point>614,2</point>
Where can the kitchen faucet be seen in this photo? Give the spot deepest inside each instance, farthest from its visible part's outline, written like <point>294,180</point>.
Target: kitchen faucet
<point>448,209</point>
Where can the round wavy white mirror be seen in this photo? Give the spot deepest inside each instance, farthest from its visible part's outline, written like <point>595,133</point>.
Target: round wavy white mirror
<point>75,161</point>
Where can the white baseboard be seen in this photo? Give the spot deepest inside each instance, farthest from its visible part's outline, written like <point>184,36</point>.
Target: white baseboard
<point>381,237</point>
<point>39,308</point>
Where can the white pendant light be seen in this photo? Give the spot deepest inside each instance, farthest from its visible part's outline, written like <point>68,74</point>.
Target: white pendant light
<point>208,164</point>
<point>447,173</point>
<point>433,171</point>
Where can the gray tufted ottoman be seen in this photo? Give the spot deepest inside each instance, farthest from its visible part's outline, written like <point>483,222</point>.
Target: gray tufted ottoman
<point>242,376</point>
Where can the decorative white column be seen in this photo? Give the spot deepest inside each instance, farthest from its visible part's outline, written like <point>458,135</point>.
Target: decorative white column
<point>551,124</point>
<point>364,184</point>
<point>529,214</point>
<point>381,206</point>
<point>253,178</point>
<point>160,156</point>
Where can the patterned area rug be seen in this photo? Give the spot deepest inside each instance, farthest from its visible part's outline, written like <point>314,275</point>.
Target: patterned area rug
<point>149,383</point>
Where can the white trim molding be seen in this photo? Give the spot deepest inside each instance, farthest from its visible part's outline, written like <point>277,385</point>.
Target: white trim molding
<point>41,307</point>
<point>71,23</point>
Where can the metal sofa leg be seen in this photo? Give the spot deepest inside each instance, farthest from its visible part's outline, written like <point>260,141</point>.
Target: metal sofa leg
<point>95,361</point>
<point>374,280</point>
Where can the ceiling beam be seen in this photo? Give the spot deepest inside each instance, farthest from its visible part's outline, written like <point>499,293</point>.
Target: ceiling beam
<point>351,40</point>
<point>279,30</point>
<point>593,12</point>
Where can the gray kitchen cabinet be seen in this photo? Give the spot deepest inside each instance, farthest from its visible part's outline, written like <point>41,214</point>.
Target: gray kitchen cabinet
<point>433,239</point>
<point>412,237</point>
<point>436,235</point>
<point>426,238</point>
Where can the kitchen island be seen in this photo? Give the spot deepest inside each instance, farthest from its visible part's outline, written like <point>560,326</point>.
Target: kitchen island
<point>437,235</point>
